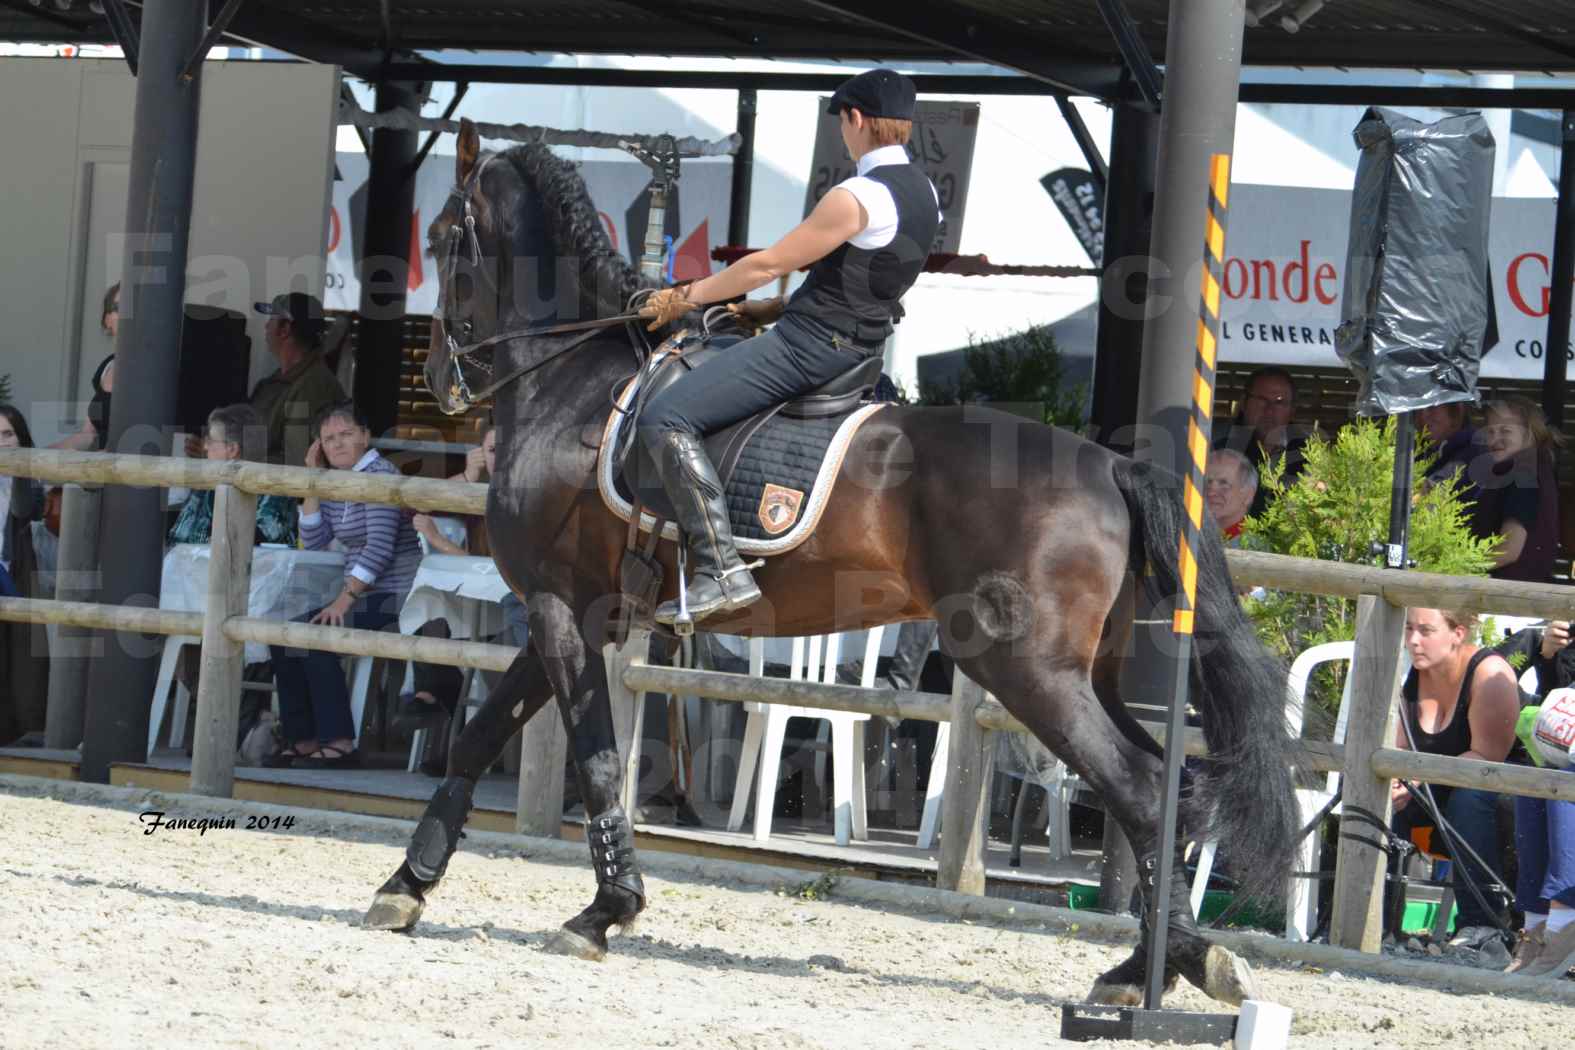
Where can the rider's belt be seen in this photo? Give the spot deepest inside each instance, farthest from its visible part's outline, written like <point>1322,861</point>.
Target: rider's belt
<point>866,338</point>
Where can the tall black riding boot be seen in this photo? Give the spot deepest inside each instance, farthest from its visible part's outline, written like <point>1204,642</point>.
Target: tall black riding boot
<point>718,579</point>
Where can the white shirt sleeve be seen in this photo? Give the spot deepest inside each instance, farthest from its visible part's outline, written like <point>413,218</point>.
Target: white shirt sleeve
<point>881,208</point>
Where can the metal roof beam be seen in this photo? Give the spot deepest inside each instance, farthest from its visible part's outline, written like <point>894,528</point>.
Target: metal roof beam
<point>964,84</point>
<point>986,42</point>
<point>1437,97</point>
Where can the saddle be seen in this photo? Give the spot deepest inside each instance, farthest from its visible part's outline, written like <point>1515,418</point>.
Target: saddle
<point>777,467</point>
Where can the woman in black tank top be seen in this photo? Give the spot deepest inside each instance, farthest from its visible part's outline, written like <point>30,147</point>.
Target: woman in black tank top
<point>1459,700</point>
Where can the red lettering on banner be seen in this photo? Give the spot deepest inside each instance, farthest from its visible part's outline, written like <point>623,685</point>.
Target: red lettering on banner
<point>1295,280</point>
<point>1517,296</point>
<point>1325,272</point>
<point>1259,266</point>
<point>1299,265</point>
<point>334,231</point>
<point>1237,287</point>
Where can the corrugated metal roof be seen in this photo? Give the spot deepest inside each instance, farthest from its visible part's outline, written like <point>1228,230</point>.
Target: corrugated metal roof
<point>1524,35</point>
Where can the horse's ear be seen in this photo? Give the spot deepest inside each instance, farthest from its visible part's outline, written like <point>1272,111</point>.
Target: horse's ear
<point>468,150</point>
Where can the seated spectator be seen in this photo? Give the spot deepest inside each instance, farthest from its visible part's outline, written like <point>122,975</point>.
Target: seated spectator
<point>1459,700</point>
<point>436,685</point>
<point>478,468</point>
<point>1229,487</point>
<point>93,435</point>
<point>1263,431</point>
<point>303,386</point>
<point>1519,501</point>
<point>1450,439</point>
<point>24,647</point>
<point>235,432</point>
<point>1544,829</point>
<point>381,555</point>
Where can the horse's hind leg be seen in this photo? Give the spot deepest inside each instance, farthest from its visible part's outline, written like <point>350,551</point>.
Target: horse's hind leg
<point>1063,711</point>
<point>519,694</point>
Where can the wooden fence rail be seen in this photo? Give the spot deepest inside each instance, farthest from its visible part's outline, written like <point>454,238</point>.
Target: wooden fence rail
<point>1366,760</point>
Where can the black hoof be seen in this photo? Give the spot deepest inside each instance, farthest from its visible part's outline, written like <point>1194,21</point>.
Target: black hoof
<point>1125,984</point>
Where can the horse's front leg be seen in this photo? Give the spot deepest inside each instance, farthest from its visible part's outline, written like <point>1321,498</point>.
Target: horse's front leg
<point>579,676</point>
<point>519,694</point>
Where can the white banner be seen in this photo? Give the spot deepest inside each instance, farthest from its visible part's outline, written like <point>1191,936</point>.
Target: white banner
<point>703,189</point>
<point>1285,273</point>
<point>942,144</point>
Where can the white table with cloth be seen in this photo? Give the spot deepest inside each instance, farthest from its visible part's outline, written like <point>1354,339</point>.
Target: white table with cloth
<point>286,583</point>
<point>461,589</point>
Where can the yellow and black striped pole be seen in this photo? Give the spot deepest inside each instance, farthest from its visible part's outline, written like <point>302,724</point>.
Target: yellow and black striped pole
<point>1182,621</point>
<point>1202,389</point>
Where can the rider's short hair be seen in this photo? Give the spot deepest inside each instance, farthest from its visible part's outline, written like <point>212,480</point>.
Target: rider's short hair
<point>889,131</point>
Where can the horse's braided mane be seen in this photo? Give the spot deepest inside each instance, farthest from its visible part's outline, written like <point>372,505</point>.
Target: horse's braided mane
<point>606,279</point>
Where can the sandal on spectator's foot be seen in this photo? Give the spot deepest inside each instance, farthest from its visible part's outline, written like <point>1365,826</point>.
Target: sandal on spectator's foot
<point>329,757</point>
<point>283,758</point>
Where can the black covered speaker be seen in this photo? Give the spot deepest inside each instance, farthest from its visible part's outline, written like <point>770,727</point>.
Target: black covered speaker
<point>215,360</point>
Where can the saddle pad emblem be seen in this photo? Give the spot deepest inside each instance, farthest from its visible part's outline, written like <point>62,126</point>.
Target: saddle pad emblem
<point>779,508</point>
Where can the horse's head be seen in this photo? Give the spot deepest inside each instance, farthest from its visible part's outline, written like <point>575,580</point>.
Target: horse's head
<point>519,245</point>
<point>496,270</point>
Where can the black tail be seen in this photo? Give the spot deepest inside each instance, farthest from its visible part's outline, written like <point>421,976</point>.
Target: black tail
<point>1246,798</point>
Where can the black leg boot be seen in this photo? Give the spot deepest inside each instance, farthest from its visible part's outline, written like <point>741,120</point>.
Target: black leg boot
<point>620,892</point>
<point>719,580</point>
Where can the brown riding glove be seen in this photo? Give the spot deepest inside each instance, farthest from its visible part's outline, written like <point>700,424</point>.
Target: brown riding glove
<point>758,312</point>
<point>666,305</point>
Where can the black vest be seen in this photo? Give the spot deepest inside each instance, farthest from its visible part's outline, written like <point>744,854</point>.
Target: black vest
<point>857,292</point>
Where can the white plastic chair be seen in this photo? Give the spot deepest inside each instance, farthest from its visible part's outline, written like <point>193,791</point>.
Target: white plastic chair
<point>1301,904</point>
<point>360,684</point>
<point>1058,806</point>
<point>767,726</point>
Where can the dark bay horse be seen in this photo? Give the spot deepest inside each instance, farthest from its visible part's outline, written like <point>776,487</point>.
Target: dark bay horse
<point>1023,541</point>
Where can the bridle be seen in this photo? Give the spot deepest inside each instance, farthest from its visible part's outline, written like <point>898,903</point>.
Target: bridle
<point>462,237</point>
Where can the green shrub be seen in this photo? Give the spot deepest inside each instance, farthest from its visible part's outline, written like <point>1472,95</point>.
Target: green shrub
<point>1022,373</point>
<point>1338,510</point>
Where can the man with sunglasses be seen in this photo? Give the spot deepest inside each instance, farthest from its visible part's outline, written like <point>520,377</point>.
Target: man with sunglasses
<point>1263,431</point>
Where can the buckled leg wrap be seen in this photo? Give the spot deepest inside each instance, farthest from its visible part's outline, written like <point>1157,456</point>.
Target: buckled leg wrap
<point>1179,919</point>
<point>611,839</point>
<point>438,834</point>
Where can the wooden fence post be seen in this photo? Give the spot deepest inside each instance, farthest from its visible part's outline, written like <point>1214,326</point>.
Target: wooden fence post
<point>76,580</point>
<point>1357,918</point>
<point>543,748</point>
<point>219,692</point>
<point>628,711</point>
<point>965,807</point>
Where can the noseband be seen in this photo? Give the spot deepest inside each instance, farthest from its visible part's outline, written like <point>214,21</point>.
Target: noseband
<point>462,237</point>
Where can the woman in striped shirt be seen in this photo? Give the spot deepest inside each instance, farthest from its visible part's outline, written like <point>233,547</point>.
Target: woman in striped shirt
<point>381,555</point>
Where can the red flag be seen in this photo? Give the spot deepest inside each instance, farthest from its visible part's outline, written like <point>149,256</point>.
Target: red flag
<point>692,259</point>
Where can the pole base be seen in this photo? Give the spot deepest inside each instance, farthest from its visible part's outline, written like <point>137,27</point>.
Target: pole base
<point>1083,1022</point>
